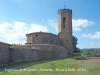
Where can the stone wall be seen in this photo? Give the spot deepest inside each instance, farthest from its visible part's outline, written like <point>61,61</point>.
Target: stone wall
<point>29,53</point>
<point>42,38</point>
<point>4,54</point>
<point>22,54</point>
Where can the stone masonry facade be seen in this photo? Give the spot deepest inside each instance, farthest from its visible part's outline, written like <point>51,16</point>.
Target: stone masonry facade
<point>42,38</point>
<point>4,53</point>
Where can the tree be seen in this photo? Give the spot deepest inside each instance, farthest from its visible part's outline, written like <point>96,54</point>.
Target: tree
<point>13,45</point>
<point>91,53</point>
<point>97,52</point>
<point>75,49</point>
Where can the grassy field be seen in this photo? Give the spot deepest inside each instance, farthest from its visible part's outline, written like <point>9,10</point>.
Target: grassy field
<point>53,67</point>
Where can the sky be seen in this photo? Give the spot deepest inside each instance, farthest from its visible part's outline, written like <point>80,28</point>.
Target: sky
<point>20,17</point>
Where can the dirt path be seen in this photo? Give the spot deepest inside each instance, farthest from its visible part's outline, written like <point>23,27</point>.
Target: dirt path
<point>92,61</point>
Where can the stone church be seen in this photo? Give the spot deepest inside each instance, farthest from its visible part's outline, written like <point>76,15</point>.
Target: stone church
<point>64,37</point>
<point>42,45</point>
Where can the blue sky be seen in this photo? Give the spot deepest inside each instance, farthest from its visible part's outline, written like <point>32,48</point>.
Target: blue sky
<point>20,17</point>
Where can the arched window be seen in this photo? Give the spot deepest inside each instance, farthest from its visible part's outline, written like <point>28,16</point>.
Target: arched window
<point>64,22</point>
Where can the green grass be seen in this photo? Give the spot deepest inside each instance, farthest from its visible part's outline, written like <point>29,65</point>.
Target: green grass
<point>55,67</point>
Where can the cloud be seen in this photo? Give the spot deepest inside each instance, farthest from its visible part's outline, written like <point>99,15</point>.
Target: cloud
<point>53,23</point>
<point>76,29</point>
<point>79,23</point>
<point>94,44</point>
<point>92,36</point>
<point>38,28</point>
<point>15,33</point>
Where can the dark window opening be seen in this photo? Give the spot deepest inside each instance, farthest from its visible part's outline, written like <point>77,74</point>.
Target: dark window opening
<point>64,22</point>
<point>67,40</point>
<point>36,35</point>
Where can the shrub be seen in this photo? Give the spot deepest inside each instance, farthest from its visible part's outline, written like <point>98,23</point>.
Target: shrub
<point>79,58</point>
<point>76,54</point>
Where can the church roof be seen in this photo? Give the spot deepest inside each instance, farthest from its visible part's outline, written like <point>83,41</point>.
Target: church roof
<point>39,33</point>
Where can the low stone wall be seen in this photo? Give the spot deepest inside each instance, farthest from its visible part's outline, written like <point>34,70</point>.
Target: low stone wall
<point>29,53</point>
<point>4,54</point>
<point>22,54</point>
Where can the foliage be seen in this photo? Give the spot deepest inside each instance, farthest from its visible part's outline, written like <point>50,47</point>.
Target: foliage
<point>79,58</point>
<point>75,49</point>
<point>76,54</point>
<point>91,53</point>
<point>13,45</point>
<point>97,52</point>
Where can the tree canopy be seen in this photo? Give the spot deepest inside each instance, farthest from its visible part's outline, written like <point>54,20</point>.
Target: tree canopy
<point>91,53</point>
<point>75,49</point>
<point>13,45</point>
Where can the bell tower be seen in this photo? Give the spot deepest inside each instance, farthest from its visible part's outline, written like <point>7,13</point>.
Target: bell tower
<point>65,28</point>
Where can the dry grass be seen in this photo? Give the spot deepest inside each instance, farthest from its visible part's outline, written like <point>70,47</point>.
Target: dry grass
<point>92,61</point>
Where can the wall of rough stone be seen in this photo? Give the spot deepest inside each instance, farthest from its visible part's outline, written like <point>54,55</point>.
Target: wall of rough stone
<point>33,52</point>
<point>22,54</point>
<point>4,54</point>
<point>42,38</point>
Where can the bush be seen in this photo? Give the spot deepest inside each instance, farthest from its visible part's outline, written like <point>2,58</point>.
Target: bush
<point>91,53</point>
<point>76,54</point>
<point>79,58</point>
